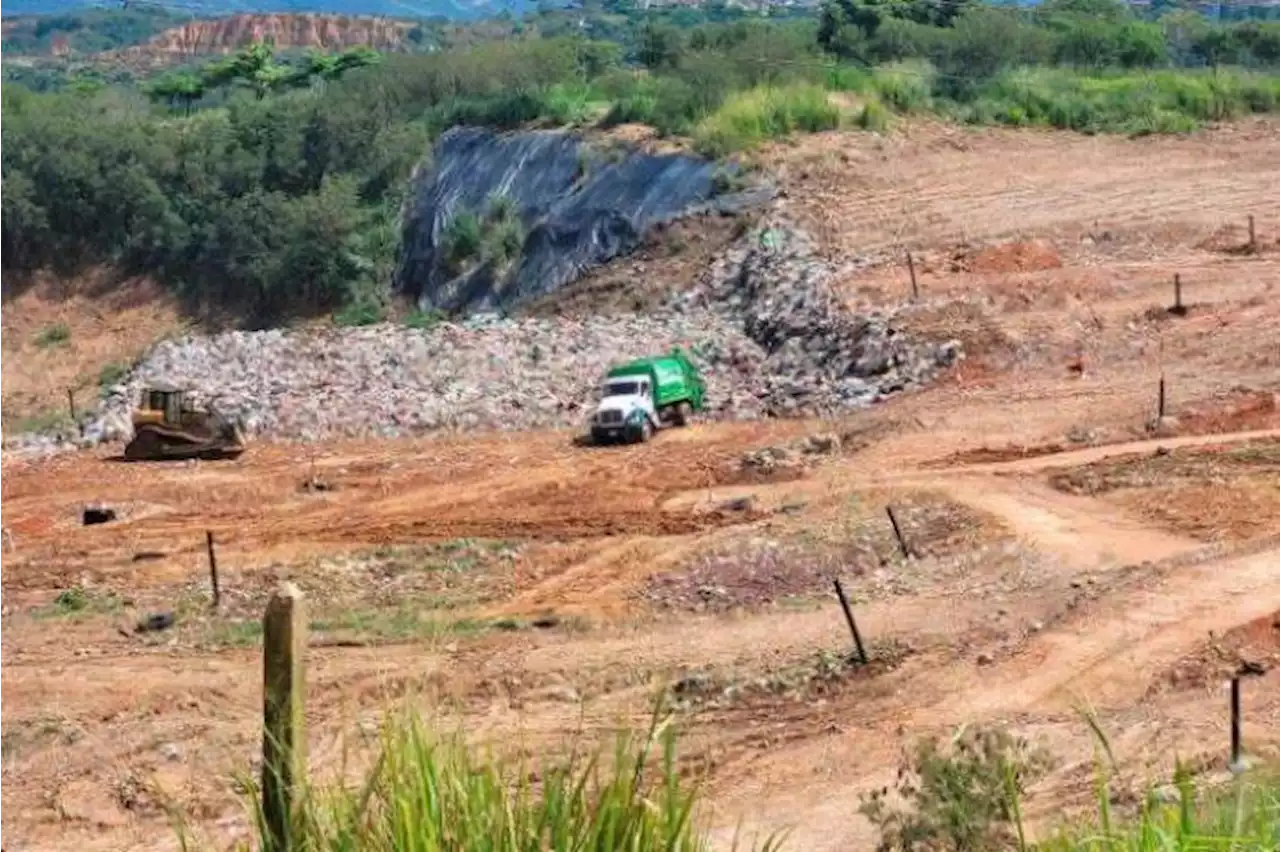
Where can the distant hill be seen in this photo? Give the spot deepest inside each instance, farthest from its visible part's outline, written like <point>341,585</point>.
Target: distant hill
<point>452,9</point>
<point>208,36</point>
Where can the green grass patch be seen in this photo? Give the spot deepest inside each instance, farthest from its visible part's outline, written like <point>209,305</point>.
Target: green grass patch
<point>360,312</point>
<point>1242,815</point>
<point>78,602</point>
<point>873,116</point>
<point>112,374</point>
<point>1120,102</point>
<point>395,624</point>
<point>58,334</point>
<point>905,87</point>
<point>237,633</point>
<point>429,792</point>
<point>51,420</point>
<point>424,320</point>
<point>748,118</point>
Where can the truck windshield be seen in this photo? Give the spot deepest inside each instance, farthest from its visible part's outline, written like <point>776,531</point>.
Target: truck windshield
<point>622,388</point>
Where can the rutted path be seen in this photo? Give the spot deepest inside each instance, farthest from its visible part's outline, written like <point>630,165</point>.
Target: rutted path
<point>1106,652</point>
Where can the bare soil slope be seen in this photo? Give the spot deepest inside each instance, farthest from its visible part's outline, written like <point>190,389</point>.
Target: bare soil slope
<point>62,334</point>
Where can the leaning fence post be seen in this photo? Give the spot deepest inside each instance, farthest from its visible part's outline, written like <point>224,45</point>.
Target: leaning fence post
<point>897,533</point>
<point>284,739</point>
<point>853,625</point>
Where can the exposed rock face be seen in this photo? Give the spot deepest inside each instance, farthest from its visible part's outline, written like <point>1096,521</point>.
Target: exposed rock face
<point>578,206</point>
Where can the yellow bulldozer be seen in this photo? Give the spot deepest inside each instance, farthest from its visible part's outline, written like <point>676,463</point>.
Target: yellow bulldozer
<point>166,426</point>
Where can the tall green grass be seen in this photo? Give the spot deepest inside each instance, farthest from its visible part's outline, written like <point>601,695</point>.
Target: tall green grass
<point>1244,817</point>
<point>427,793</point>
<point>748,118</point>
<point>1125,102</point>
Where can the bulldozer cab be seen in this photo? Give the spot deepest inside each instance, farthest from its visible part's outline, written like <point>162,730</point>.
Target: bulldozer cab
<point>162,404</point>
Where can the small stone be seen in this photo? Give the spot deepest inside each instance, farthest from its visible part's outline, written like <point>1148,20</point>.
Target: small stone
<point>985,659</point>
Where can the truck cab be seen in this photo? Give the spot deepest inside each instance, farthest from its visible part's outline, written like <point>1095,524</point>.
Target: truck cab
<point>625,409</point>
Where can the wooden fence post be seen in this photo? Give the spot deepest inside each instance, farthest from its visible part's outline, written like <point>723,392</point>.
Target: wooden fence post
<point>1236,765</point>
<point>853,625</point>
<point>911,268</point>
<point>213,568</point>
<point>1253,236</point>
<point>284,738</point>
<point>897,533</point>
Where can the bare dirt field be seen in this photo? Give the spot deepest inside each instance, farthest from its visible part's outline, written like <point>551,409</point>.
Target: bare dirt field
<point>1064,547</point>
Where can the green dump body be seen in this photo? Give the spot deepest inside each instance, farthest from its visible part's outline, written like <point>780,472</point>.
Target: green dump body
<point>673,377</point>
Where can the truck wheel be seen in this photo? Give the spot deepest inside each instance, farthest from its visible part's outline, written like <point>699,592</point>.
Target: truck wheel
<point>684,413</point>
<point>645,432</point>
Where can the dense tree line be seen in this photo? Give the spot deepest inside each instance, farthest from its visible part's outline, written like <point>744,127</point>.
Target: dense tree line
<point>269,188</point>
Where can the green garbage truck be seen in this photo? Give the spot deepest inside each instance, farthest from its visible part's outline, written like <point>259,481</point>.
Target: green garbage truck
<point>645,395</point>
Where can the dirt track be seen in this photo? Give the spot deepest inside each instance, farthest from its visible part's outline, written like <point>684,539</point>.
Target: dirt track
<point>426,565</point>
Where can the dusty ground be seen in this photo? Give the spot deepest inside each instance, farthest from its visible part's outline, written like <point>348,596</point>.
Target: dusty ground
<point>1062,546</point>
<point>59,335</point>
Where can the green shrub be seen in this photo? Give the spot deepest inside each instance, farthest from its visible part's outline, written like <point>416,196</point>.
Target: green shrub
<point>463,239</point>
<point>111,375</point>
<point>848,78</point>
<point>360,312</point>
<point>905,87</point>
<point>58,334</point>
<point>873,116</point>
<point>960,794</point>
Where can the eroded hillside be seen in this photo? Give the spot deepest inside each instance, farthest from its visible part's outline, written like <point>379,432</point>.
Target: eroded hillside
<point>213,36</point>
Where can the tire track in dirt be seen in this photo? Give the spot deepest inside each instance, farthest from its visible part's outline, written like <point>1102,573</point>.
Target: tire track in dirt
<point>1106,651</point>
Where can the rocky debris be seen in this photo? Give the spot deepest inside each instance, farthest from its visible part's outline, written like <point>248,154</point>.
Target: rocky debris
<point>823,673</point>
<point>765,328</point>
<point>815,354</point>
<point>796,454</point>
<point>155,622</point>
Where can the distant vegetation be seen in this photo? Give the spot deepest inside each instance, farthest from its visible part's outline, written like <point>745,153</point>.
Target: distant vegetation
<point>86,30</point>
<point>268,186</point>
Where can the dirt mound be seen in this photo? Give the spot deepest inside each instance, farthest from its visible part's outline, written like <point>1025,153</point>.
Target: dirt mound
<point>1241,409</point>
<point>1143,470</point>
<point>1234,239</point>
<point>1250,648</point>
<point>1021,256</point>
<point>989,455</point>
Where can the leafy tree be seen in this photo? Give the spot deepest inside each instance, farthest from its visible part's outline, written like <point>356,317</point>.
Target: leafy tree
<point>837,16</point>
<point>182,89</point>
<point>661,45</point>
<point>254,66</point>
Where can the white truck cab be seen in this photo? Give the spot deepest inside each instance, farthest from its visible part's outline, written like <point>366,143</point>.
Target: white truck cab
<point>624,400</point>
